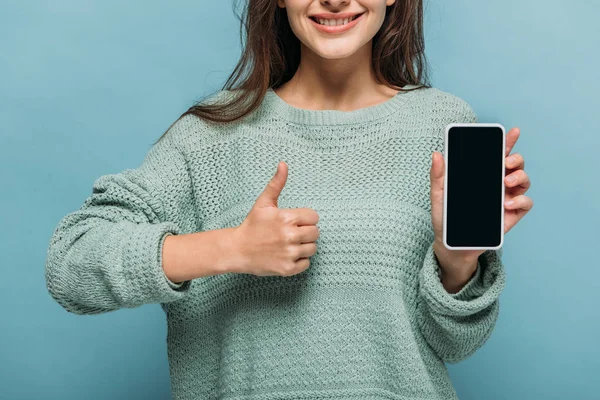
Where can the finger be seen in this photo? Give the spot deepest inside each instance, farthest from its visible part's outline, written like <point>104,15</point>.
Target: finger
<point>521,202</point>
<point>437,165</point>
<point>436,172</point>
<point>518,178</point>
<point>308,233</point>
<point>307,249</point>
<point>515,161</point>
<point>511,138</point>
<point>436,182</point>
<point>513,218</point>
<point>270,194</point>
<point>302,216</point>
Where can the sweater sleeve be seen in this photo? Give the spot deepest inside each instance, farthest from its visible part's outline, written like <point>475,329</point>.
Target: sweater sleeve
<point>108,254</point>
<point>456,325</point>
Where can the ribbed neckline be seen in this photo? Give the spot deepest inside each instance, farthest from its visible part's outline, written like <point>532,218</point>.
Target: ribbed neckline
<point>275,104</point>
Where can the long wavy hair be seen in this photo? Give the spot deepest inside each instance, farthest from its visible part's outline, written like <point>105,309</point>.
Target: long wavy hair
<point>271,56</point>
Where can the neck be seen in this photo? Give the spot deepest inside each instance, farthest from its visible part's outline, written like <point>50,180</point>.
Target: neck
<point>343,84</point>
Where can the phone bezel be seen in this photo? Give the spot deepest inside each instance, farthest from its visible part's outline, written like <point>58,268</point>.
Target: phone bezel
<point>446,159</point>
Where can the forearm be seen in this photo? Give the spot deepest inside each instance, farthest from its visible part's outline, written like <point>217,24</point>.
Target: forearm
<point>95,266</point>
<point>456,337</point>
<point>457,324</point>
<point>195,255</point>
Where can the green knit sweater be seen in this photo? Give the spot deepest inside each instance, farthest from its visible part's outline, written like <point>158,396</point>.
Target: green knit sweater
<point>368,319</point>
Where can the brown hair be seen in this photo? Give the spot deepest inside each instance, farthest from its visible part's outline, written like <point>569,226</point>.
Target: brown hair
<point>271,56</point>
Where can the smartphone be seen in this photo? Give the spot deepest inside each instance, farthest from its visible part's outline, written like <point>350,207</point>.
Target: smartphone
<point>474,186</point>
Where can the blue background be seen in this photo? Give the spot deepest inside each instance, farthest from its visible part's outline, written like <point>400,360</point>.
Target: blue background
<point>88,86</point>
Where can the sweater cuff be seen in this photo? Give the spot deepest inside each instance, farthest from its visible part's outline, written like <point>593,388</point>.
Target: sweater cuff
<point>146,277</point>
<point>174,285</point>
<point>479,292</point>
<point>471,289</point>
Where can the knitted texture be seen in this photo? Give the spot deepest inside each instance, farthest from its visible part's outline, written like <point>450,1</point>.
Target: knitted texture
<point>369,318</point>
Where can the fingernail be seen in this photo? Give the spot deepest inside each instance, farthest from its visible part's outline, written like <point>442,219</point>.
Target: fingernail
<point>510,160</point>
<point>509,203</point>
<point>510,179</point>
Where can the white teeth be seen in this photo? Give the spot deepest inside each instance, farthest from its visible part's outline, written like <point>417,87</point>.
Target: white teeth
<point>335,22</point>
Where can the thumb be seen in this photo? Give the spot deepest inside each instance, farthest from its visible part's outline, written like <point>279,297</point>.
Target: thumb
<point>269,196</point>
<point>436,176</point>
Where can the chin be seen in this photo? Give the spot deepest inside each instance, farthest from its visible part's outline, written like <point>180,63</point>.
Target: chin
<point>334,54</point>
<point>335,57</point>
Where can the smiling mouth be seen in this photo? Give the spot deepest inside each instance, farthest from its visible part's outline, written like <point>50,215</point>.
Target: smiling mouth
<point>335,22</point>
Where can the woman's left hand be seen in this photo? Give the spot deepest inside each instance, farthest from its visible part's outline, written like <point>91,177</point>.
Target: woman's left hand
<point>459,265</point>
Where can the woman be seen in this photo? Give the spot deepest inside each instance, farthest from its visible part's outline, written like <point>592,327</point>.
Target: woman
<point>327,280</point>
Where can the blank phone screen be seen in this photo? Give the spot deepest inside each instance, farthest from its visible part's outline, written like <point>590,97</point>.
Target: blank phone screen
<point>475,181</point>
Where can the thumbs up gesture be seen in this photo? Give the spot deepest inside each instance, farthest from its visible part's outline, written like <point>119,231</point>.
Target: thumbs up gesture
<point>276,241</point>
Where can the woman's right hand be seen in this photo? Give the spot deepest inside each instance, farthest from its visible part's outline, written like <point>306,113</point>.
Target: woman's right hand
<point>274,241</point>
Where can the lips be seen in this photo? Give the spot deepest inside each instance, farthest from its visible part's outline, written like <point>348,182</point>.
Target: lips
<point>336,29</point>
<point>335,16</point>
